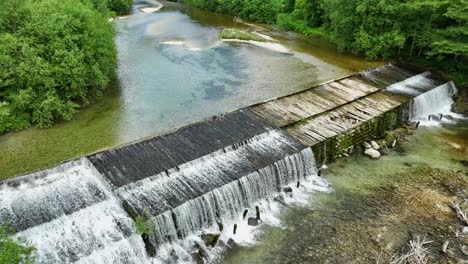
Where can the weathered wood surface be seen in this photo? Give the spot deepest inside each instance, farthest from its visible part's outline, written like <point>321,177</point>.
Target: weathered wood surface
<point>291,109</point>
<point>345,118</point>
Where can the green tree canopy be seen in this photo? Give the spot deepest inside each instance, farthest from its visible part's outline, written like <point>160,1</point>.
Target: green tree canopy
<point>54,56</point>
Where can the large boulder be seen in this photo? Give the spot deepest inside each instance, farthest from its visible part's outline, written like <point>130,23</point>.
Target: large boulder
<point>374,154</point>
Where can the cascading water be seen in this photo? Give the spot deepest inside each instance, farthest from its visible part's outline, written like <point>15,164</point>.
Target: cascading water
<point>215,189</point>
<point>431,107</point>
<point>69,214</point>
<point>386,75</point>
<point>73,214</point>
<point>415,85</point>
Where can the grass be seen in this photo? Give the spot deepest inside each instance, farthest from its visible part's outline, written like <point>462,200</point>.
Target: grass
<point>231,33</point>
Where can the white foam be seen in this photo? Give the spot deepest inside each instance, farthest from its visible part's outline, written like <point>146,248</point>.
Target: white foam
<point>414,85</point>
<point>437,102</point>
<point>150,9</point>
<point>266,45</point>
<point>232,195</point>
<point>174,42</point>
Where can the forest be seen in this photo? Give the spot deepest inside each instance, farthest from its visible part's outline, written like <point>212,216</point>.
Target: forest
<point>433,33</point>
<point>55,57</point>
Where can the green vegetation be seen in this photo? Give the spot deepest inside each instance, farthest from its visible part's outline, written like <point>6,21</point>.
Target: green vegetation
<point>433,33</point>
<point>143,226</point>
<point>55,57</point>
<point>231,33</point>
<point>11,252</point>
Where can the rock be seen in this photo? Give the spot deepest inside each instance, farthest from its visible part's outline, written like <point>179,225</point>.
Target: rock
<point>389,136</point>
<point>434,117</point>
<point>231,242</point>
<point>375,145</point>
<point>201,255</point>
<point>394,143</point>
<point>245,213</point>
<point>210,239</point>
<point>367,145</point>
<point>454,145</point>
<point>220,226</point>
<point>252,221</point>
<point>448,117</point>
<point>374,154</point>
<point>150,245</point>
<point>287,189</point>
<point>445,246</point>
<point>464,162</point>
<point>465,230</point>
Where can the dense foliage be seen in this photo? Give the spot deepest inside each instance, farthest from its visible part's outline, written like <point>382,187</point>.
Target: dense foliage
<point>54,56</point>
<point>431,32</point>
<point>11,252</point>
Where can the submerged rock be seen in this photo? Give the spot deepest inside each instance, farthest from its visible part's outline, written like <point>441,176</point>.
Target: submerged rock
<point>231,242</point>
<point>252,221</point>
<point>367,145</point>
<point>374,154</point>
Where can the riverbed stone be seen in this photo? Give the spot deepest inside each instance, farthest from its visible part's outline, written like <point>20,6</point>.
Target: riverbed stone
<point>252,221</point>
<point>374,154</point>
<point>210,239</point>
<point>367,145</point>
<point>375,145</point>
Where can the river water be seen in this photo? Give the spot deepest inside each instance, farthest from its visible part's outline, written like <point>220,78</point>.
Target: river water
<point>174,70</point>
<point>375,207</point>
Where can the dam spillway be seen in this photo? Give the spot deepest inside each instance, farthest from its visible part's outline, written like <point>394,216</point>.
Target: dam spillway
<point>207,173</point>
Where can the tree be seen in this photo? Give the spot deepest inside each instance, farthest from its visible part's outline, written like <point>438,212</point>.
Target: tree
<point>54,57</point>
<point>452,41</point>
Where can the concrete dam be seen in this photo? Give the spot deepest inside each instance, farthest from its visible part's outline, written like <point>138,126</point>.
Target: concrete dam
<point>204,176</point>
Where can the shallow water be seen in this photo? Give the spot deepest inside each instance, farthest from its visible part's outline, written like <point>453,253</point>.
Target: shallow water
<point>430,147</point>
<point>174,70</point>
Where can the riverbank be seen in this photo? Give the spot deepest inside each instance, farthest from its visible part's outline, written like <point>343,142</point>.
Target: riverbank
<point>151,98</point>
<point>377,207</point>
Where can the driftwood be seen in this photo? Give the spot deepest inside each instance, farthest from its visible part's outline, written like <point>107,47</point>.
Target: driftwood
<point>445,246</point>
<point>417,253</point>
<point>460,214</point>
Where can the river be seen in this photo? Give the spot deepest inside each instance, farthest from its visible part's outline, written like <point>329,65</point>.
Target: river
<point>174,70</point>
<point>375,207</point>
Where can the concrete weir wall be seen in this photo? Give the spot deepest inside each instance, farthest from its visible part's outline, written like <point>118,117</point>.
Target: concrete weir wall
<point>204,173</point>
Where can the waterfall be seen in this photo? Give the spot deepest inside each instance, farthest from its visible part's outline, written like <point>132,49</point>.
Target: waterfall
<point>74,214</point>
<point>69,214</point>
<point>415,85</point>
<point>228,201</point>
<point>436,102</point>
<point>265,162</point>
<point>386,75</point>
